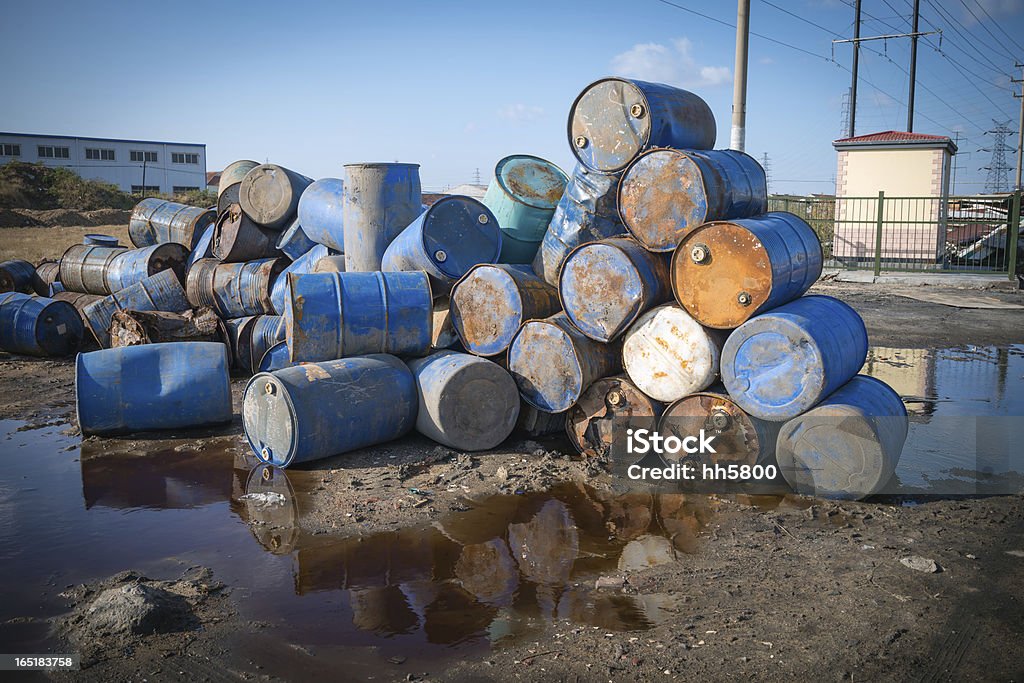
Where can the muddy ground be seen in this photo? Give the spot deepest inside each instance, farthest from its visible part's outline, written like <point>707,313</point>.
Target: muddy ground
<point>779,589</point>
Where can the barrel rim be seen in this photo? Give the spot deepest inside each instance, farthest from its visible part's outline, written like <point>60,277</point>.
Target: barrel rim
<point>379,164</point>
<point>515,197</point>
<point>572,113</point>
<point>504,268</point>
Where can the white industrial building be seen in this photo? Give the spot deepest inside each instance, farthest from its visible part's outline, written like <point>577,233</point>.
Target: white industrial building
<point>132,165</point>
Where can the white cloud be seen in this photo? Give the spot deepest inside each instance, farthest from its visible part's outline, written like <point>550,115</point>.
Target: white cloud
<point>672,64</point>
<point>766,60</point>
<point>520,113</point>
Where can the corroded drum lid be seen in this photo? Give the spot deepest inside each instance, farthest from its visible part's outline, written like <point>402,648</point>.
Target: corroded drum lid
<point>737,438</point>
<point>662,198</point>
<point>609,124</point>
<point>604,412</point>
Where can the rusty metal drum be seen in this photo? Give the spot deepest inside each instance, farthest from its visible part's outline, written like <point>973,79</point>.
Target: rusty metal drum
<point>725,272</point>
<point>604,286</point>
<point>738,437</point>
<point>237,238</point>
<point>615,119</point>
<point>234,290</point>
<point>523,196</point>
<point>598,422</point>
<point>492,300</point>
<point>46,273</point>
<point>553,363</point>
<point>155,221</point>
<point>269,194</point>
<point>135,265</point>
<point>159,292</point>
<point>231,182</point>
<point>379,201</point>
<point>203,248</point>
<point>17,276</point>
<point>666,193</point>
<point>83,268</point>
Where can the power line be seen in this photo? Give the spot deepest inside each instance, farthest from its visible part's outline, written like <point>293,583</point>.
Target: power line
<point>955,26</point>
<point>998,25</point>
<point>998,169</point>
<point>980,23</point>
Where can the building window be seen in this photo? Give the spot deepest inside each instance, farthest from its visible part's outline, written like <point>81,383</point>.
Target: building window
<point>99,154</point>
<point>51,152</point>
<point>183,158</point>
<point>179,189</point>
<point>10,150</point>
<point>148,189</point>
<point>139,155</point>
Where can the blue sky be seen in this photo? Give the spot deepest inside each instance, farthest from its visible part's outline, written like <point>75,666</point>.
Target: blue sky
<point>456,86</point>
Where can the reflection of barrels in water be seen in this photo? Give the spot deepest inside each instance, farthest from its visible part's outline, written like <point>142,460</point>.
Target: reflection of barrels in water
<point>682,516</point>
<point>609,611</point>
<point>488,571</point>
<point>546,546</point>
<point>270,508</point>
<point>383,610</point>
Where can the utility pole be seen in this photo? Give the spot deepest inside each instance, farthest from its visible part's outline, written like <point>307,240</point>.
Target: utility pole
<point>952,182</point>
<point>143,175</point>
<point>1020,125</point>
<point>856,63</point>
<point>913,67</point>
<point>739,83</point>
<point>766,164</point>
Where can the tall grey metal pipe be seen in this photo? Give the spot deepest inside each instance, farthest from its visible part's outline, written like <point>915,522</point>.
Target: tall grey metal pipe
<point>913,68</point>
<point>739,85</point>
<point>856,61</point>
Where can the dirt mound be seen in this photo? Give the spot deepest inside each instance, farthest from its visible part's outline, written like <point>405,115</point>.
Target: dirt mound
<point>108,216</point>
<point>62,218</point>
<point>10,218</point>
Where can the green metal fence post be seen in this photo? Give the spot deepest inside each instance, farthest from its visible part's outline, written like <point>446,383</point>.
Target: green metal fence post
<point>878,234</point>
<point>1012,235</point>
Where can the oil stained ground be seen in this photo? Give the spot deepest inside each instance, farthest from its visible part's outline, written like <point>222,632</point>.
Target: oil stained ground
<point>502,569</point>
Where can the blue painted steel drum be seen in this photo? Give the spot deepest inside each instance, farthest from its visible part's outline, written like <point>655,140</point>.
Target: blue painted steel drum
<point>587,212</point>
<point>523,196</point>
<point>269,195</point>
<point>300,266</point>
<point>16,276</point>
<point>849,445</point>
<point>234,290</point>
<point>135,265</point>
<point>155,221</point>
<point>490,302</point>
<point>160,292</point>
<point>266,331</point>
<point>337,315</point>
<point>203,248</point>
<point>465,402</point>
<point>276,358</point>
<point>725,272</point>
<point>783,362</point>
<point>666,193</point>
<point>553,363</point>
<point>379,202</point>
<point>100,240</point>
<point>57,288</point>
<point>44,276</point>
<point>239,334</point>
<point>317,410</point>
<point>605,286</point>
<point>452,236</point>
<point>152,387</point>
<point>319,212</point>
<point>83,268</point>
<point>294,242</point>
<point>37,326</point>
<point>615,119</point>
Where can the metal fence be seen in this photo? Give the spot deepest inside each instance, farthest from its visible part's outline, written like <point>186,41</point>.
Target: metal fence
<point>957,234</point>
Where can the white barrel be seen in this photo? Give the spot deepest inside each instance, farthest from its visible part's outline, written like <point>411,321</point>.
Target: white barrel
<point>667,354</point>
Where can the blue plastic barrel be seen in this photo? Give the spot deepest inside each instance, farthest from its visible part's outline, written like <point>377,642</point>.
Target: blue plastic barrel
<point>379,201</point>
<point>234,290</point>
<point>300,266</point>
<point>615,119</point>
<point>269,194</point>
<point>37,326</point>
<point>725,272</point>
<point>152,387</point>
<point>783,362</point>
<point>448,239</point>
<point>490,303</point>
<point>848,446</point>
<point>587,212</point>
<point>320,214</point>
<point>337,315</point>
<point>155,221</point>
<point>294,242</point>
<point>317,410</point>
<point>203,248</point>
<point>666,193</point>
<point>135,265</point>
<point>276,358</point>
<point>605,286</point>
<point>160,292</point>
<point>266,331</point>
<point>16,276</point>
<point>523,196</point>
<point>515,251</point>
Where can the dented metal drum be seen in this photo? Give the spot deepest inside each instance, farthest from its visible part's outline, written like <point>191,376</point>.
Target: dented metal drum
<point>269,194</point>
<point>330,264</point>
<point>445,241</point>
<point>849,445</point>
<point>553,363</point>
<point>490,303</point>
<point>264,333</point>
<point>615,119</point>
<point>783,362</point>
<point>155,221</point>
<point>231,182</point>
<point>237,238</point>
<point>668,354</point>
<point>37,326</point>
<point>523,196</point>
<point>610,406</point>
<point>319,212</point>
<point>160,292</point>
<point>135,265</point>
<point>738,437</point>
<point>300,266</point>
<point>336,315</point>
<point>17,276</point>
<point>316,410</point>
<point>666,193</point>
<point>46,273</point>
<point>725,272</point>
<point>604,286</point>
<point>83,268</point>
<point>379,201</point>
<point>234,290</point>
<point>276,358</point>
<point>465,402</point>
<point>294,242</point>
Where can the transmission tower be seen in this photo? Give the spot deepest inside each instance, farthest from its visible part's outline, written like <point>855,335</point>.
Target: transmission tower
<point>844,114</point>
<point>998,178</point>
<point>766,164</point>
<point>476,177</point>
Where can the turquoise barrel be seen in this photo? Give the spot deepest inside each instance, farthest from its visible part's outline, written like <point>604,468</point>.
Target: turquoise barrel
<point>135,265</point>
<point>231,182</point>
<point>46,274</point>
<point>237,238</point>
<point>445,241</point>
<point>152,387</point>
<point>319,212</point>
<point>155,221</point>
<point>465,402</point>
<point>269,194</point>
<point>587,212</point>
<point>491,301</point>
<point>234,290</point>
<point>16,276</point>
<point>523,196</point>
<point>516,251</point>
<point>605,286</point>
<point>294,242</point>
<point>160,292</point>
<point>37,326</point>
<point>337,315</point>
<point>725,272</point>
<point>98,240</point>
<point>378,202</point>
<point>848,446</point>
<point>784,362</point>
<point>316,410</point>
<point>203,248</point>
<point>276,358</point>
<point>83,268</point>
<point>666,193</point>
<point>614,120</point>
<point>553,363</point>
<point>300,266</point>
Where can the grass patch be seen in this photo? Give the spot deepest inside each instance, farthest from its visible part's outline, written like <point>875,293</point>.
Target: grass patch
<point>38,244</point>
